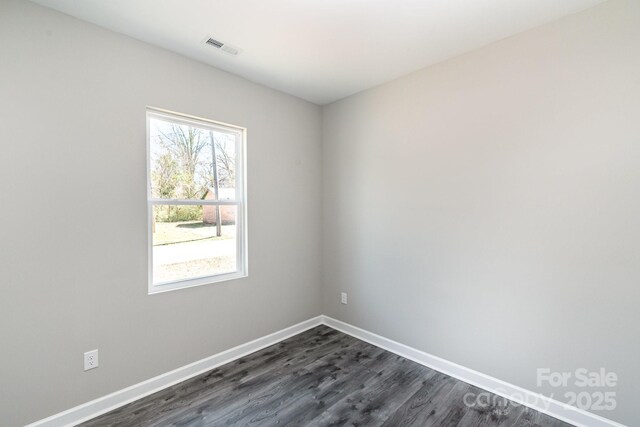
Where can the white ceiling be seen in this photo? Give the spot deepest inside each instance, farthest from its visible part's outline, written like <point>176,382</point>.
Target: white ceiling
<point>320,50</point>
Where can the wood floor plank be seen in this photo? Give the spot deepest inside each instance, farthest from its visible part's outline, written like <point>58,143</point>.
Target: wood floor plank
<point>234,396</point>
<point>416,410</point>
<point>352,375</point>
<point>375,399</point>
<point>489,409</point>
<point>259,405</point>
<point>321,377</point>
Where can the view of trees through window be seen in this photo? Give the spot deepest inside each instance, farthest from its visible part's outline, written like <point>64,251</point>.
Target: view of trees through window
<point>191,168</point>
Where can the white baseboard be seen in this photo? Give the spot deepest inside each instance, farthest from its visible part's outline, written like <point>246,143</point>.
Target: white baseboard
<point>546,405</point>
<point>554,408</point>
<point>119,398</point>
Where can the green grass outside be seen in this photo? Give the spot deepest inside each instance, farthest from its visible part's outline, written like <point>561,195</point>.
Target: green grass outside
<point>167,233</point>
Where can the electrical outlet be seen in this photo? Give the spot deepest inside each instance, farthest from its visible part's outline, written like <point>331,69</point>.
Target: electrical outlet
<point>91,360</point>
<point>343,298</point>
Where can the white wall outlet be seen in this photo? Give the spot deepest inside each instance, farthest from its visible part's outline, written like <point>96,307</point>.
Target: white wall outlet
<point>343,297</point>
<point>91,360</point>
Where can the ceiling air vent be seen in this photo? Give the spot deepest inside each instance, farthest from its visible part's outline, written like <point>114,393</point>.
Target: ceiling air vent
<point>214,42</point>
<point>222,46</point>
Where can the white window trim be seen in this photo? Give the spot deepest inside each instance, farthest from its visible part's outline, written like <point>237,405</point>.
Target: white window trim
<point>240,202</point>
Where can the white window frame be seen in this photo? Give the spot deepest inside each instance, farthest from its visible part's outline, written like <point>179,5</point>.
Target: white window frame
<point>240,201</point>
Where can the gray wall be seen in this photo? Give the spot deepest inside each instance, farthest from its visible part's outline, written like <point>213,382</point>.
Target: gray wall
<point>73,234</point>
<point>487,209</point>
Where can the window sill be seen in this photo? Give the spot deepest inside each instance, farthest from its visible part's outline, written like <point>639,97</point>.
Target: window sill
<point>199,281</point>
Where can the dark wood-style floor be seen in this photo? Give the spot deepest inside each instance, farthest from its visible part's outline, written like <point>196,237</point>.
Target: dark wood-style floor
<point>321,377</point>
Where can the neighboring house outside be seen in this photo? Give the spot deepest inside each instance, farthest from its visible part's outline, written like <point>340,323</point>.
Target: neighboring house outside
<point>228,213</point>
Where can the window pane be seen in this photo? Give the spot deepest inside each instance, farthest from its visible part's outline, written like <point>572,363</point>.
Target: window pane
<point>182,165</point>
<point>225,152</point>
<point>187,242</point>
